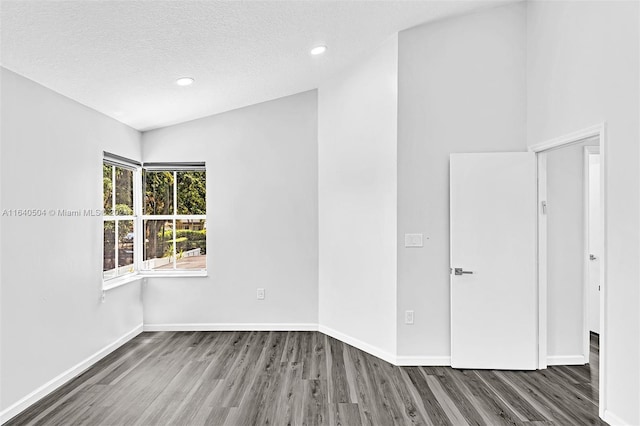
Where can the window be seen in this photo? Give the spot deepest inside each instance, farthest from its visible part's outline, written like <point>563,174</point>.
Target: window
<point>119,218</point>
<point>174,218</point>
<point>154,219</point>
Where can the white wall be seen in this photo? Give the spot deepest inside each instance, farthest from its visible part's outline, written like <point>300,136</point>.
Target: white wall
<point>301,188</point>
<point>565,256</point>
<point>51,315</point>
<point>357,113</point>
<point>262,212</point>
<point>461,89</point>
<point>582,69</point>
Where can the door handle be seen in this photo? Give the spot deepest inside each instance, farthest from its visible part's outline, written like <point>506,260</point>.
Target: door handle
<point>592,257</point>
<point>459,271</point>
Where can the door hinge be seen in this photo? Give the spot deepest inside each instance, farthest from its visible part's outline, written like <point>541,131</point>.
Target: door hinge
<point>543,206</point>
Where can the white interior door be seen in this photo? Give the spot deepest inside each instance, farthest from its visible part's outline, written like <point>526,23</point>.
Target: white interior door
<point>494,308</point>
<point>595,242</point>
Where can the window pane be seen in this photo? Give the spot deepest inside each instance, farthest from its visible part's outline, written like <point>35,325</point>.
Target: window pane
<point>191,192</point>
<point>119,235</point>
<point>158,244</point>
<point>109,253</point>
<point>191,244</point>
<point>158,192</point>
<point>107,188</point>
<point>124,191</point>
<point>125,247</point>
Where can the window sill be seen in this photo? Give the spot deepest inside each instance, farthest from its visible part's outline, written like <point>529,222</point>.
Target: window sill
<point>120,281</point>
<point>176,274</point>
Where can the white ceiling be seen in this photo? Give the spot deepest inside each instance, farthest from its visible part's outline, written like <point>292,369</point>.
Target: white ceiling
<point>122,57</point>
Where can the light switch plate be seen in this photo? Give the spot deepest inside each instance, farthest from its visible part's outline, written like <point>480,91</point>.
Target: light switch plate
<point>413,240</point>
<point>260,294</point>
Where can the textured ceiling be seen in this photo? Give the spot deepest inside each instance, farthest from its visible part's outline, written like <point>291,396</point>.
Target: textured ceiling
<point>122,57</point>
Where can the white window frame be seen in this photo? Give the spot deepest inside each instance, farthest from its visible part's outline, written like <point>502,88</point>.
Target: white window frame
<point>174,168</point>
<point>124,163</point>
<point>138,220</point>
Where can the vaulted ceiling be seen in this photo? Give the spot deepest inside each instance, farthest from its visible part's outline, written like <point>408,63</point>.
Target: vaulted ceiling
<point>122,57</point>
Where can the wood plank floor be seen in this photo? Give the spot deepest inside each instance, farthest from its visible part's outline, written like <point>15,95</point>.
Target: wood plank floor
<point>296,378</point>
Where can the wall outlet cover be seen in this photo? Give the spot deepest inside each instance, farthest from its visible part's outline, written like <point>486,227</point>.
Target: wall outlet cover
<point>408,317</point>
<point>413,240</point>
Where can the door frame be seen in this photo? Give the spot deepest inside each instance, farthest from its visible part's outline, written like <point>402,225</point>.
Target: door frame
<point>600,131</point>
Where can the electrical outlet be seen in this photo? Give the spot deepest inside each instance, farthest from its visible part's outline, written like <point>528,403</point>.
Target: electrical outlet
<point>413,240</point>
<point>260,294</point>
<point>408,317</point>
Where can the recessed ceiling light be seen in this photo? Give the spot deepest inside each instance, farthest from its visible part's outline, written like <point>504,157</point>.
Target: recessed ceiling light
<point>318,50</point>
<point>185,81</point>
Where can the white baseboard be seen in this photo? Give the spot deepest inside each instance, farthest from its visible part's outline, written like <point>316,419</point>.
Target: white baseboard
<point>233,327</point>
<point>79,368</point>
<point>423,361</point>
<point>63,378</point>
<point>373,350</point>
<point>566,360</point>
<point>613,420</point>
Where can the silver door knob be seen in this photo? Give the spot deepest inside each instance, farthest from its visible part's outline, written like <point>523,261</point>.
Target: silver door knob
<point>459,271</point>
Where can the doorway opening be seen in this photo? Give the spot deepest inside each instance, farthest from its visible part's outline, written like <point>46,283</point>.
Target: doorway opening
<point>593,242</point>
<point>571,251</point>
